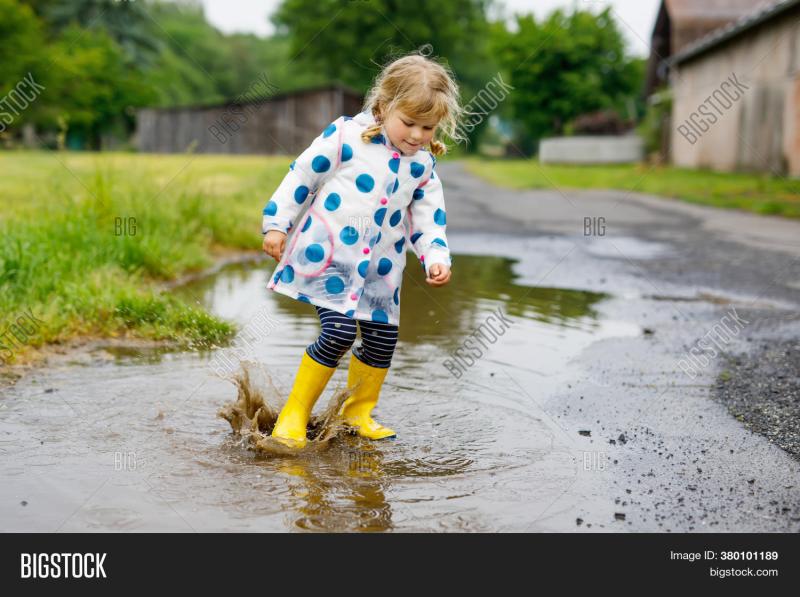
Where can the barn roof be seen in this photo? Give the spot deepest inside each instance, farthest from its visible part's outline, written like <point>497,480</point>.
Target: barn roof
<point>680,23</point>
<point>764,12</point>
<point>242,101</point>
<point>704,10</point>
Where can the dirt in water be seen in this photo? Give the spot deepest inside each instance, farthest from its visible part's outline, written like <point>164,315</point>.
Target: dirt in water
<point>258,402</point>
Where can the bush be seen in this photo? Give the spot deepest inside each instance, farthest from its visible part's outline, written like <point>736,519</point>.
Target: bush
<point>655,126</point>
<point>601,122</point>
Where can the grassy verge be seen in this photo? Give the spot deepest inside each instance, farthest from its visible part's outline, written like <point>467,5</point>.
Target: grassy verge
<point>756,193</point>
<point>68,269</point>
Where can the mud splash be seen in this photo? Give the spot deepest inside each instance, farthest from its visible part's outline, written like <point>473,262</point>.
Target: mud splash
<point>253,414</point>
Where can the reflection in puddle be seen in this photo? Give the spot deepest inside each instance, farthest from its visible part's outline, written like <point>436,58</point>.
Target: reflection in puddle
<point>475,451</point>
<point>626,248</point>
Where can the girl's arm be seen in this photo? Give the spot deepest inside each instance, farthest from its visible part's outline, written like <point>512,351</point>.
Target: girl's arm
<point>427,220</point>
<point>305,174</point>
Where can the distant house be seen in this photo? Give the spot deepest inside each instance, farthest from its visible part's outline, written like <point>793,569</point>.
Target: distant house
<point>736,94</point>
<point>681,22</point>
<point>282,123</point>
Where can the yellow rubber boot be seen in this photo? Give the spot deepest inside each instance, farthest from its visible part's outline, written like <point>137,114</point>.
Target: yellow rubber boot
<point>311,379</point>
<point>366,383</point>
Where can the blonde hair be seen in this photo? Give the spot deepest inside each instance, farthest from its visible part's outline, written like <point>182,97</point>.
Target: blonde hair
<point>421,88</point>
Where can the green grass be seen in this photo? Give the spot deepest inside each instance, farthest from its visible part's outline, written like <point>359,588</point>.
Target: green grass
<point>61,259</point>
<point>752,192</point>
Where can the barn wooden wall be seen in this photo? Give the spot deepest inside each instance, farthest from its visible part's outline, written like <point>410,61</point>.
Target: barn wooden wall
<point>279,125</point>
<point>761,130</point>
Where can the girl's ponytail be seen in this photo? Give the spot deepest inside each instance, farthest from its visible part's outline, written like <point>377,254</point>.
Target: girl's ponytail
<point>368,134</point>
<point>438,148</point>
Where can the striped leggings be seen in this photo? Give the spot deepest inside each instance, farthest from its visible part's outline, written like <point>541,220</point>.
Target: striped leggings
<point>339,333</point>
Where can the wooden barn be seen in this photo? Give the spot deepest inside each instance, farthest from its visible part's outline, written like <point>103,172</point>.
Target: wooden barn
<point>280,123</point>
<point>681,22</point>
<point>736,95</point>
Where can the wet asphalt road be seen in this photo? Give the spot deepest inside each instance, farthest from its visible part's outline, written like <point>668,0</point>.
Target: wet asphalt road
<point>664,440</point>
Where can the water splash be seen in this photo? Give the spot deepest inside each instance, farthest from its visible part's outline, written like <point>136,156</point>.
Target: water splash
<point>253,414</point>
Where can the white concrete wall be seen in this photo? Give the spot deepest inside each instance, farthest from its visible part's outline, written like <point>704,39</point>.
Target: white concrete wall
<point>591,150</point>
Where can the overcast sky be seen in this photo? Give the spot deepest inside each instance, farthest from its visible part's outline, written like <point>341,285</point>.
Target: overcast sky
<point>635,17</point>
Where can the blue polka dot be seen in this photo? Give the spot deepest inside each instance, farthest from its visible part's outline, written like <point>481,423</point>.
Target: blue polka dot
<point>396,185</point>
<point>291,166</point>
<point>347,152</point>
<point>380,316</point>
<point>303,298</point>
<point>365,183</point>
<point>315,253</point>
<point>378,139</point>
<point>351,312</point>
<point>395,218</point>
<point>394,164</point>
<point>398,246</point>
<point>300,193</point>
<point>384,266</point>
<point>307,224</point>
<point>439,217</point>
<point>349,235</point>
<point>271,208</point>
<point>320,164</point>
<point>415,236</point>
<point>396,296</point>
<point>418,194</point>
<point>333,201</point>
<point>277,276</point>
<point>439,241</point>
<point>433,175</point>
<point>334,285</point>
<point>287,275</point>
<point>375,240</point>
<point>362,268</point>
<point>417,169</point>
<point>329,130</point>
<point>380,215</point>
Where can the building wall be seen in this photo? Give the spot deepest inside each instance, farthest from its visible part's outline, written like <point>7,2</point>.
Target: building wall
<point>280,125</point>
<point>760,131</point>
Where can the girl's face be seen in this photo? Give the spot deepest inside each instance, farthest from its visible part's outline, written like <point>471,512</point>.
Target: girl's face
<point>407,134</point>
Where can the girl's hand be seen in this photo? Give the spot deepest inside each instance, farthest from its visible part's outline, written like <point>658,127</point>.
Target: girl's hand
<point>274,243</point>
<point>438,275</point>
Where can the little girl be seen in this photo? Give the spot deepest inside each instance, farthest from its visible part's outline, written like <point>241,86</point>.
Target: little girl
<point>371,191</point>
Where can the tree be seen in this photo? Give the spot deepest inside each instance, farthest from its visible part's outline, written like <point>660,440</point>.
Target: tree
<point>564,66</point>
<point>200,65</point>
<point>128,23</point>
<point>350,41</point>
<point>91,89</point>
<point>21,40</point>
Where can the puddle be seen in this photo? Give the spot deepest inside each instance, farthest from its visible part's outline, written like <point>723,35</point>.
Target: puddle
<point>133,442</point>
<point>626,248</point>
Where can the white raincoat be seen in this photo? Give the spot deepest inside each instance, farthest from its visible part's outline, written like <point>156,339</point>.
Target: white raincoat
<point>347,251</point>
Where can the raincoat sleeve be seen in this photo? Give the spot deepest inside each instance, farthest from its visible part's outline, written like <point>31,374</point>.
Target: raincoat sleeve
<point>427,223</point>
<point>304,177</point>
